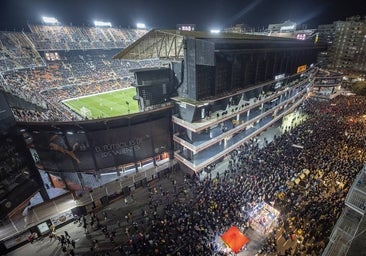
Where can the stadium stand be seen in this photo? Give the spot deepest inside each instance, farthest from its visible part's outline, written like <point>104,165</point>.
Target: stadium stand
<point>54,63</point>
<point>73,38</point>
<point>17,52</point>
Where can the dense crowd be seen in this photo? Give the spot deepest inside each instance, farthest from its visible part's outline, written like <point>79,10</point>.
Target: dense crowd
<point>63,62</point>
<point>73,38</point>
<point>74,74</point>
<point>20,50</point>
<point>50,114</point>
<point>330,144</point>
<point>16,52</point>
<point>333,151</point>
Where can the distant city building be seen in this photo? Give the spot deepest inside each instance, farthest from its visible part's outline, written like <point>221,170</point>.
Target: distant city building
<point>287,26</point>
<point>303,34</point>
<point>347,50</point>
<point>239,28</point>
<point>287,29</point>
<point>326,33</point>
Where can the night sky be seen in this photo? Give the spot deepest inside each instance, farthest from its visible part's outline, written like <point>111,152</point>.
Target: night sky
<point>15,14</point>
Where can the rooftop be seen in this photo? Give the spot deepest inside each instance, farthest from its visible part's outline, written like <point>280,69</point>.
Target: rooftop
<point>168,44</point>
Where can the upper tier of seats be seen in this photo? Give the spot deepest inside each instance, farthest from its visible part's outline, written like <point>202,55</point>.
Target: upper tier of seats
<point>53,63</point>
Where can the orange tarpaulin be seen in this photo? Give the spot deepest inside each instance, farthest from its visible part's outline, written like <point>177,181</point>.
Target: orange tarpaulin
<point>234,239</point>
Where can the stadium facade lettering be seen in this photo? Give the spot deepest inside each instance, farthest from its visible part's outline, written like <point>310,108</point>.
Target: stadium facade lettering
<point>119,148</point>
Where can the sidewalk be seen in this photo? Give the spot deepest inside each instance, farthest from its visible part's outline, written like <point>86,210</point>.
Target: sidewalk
<point>290,121</point>
<point>116,221</point>
<point>163,192</point>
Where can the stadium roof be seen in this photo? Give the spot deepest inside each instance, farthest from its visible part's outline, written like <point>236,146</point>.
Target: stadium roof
<point>147,69</point>
<point>168,44</point>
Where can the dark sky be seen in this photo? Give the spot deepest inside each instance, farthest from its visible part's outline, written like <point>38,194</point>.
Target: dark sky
<point>14,14</point>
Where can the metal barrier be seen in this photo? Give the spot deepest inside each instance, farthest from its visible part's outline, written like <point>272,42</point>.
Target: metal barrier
<point>45,211</point>
<point>346,228</point>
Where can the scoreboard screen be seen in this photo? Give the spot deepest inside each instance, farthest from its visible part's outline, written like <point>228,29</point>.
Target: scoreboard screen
<point>186,27</point>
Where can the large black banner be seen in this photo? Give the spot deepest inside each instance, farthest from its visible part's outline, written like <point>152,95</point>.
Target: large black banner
<point>88,151</point>
<point>129,144</point>
<point>82,150</point>
<point>114,147</point>
<point>6,116</point>
<point>54,152</point>
<point>160,135</point>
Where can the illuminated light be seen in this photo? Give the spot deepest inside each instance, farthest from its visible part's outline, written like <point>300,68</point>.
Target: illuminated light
<point>102,24</point>
<point>301,68</point>
<point>186,27</point>
<point>287,27</point>
<point>49,20</point>
<point>279,76</point>
<point>215,31</point>
<point>108,173</point>
<point>301,36</point>
<point>140,25</point>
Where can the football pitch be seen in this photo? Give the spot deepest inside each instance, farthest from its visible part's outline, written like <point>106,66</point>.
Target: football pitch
<point>109,104</point>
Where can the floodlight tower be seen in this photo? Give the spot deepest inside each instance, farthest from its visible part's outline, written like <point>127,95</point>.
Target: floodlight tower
<point>50,20</point>
<point>140,25</point>
<point>98,23</point>
<point>215,31</point>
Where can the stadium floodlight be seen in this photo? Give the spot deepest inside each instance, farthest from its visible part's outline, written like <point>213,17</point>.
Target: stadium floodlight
<point>215,31</point>
<point>140,25</point>
<point>102,24</point>
<point>49,20</point>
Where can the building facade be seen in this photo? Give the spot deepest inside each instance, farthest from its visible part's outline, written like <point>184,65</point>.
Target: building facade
<point>229,87</point>
<point>346,44</point>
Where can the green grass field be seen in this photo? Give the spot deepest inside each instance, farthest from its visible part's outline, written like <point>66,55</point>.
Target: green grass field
<point>105,104</point>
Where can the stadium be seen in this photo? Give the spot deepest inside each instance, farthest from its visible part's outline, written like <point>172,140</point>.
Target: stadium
<point>91,114</point>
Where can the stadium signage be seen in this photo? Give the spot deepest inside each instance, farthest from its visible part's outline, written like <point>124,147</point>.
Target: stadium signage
<point>278,77</point>
<point>120,148</point>
<point>186,27</point>
<point>301,68</point>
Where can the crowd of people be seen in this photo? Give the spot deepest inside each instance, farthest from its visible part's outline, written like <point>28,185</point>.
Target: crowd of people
<point>65,241</point>
<point>74,74</point>
<point>63,59</point>
<point>50,114</point>
<point>16,52</point>
<point>330,145</point>
<point>72,37</point>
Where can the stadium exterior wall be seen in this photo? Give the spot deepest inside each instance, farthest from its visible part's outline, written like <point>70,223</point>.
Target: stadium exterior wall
<point>101,145</point>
